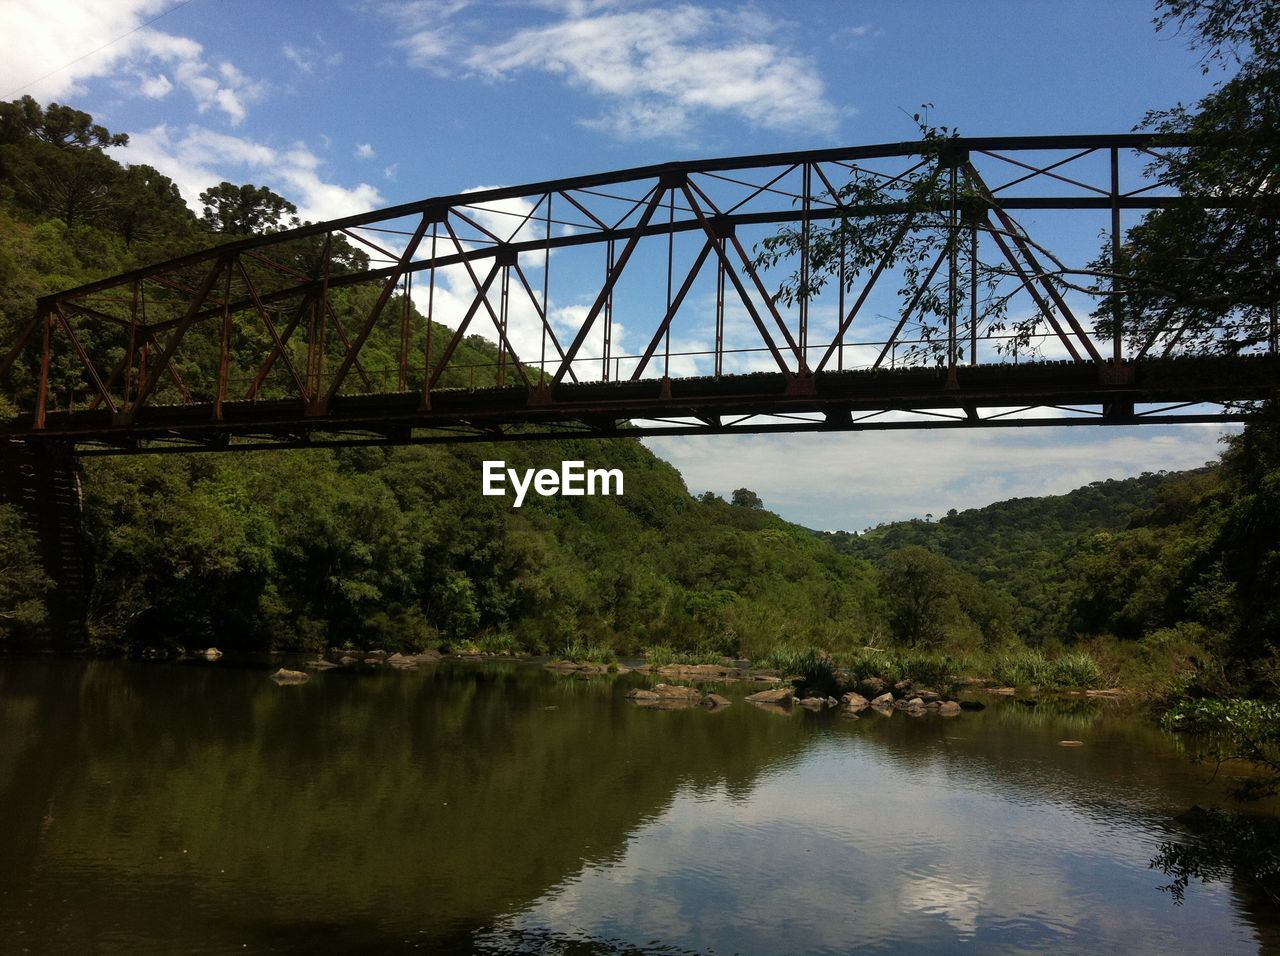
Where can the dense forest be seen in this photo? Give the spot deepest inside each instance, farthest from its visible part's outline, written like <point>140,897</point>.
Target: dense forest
<point>396,547</point>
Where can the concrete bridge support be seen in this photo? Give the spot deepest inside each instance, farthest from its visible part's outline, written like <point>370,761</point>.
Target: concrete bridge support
<point>45,482</point>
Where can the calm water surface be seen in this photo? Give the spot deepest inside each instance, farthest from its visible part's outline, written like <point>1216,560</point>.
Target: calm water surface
<point>200,808</point>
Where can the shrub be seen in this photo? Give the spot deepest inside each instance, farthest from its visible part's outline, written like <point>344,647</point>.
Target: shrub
<point>581,652</point>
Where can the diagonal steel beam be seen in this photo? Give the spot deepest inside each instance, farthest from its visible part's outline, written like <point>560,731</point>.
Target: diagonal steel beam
<point>658,192</point>
<point>1029,284</point>
<point>384,296</point>
<point>130,413</point>
<point>1012,229</point>
<point>750,306</point>
<point>462,326</point>
<point>85,360</point>
<point>847,320</point>
<point>542,315</point>
<point>275,336</point>
<point>493,316</point>
<point>665,325</point>
<point>750,270</point>
<point>915,300</point>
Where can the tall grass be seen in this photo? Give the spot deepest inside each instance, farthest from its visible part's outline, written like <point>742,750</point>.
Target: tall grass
<point>922,667</point>
<point>498,643</point>
<point>1033,669</point>
<point>661,655</point>
<point>816,670</point>
<point>581,652</point>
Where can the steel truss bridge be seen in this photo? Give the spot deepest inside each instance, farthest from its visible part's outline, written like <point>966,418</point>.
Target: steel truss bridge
<point>629,303</point>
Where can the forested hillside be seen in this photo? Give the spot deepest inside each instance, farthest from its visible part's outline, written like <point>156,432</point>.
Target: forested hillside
<point>1027,547</point>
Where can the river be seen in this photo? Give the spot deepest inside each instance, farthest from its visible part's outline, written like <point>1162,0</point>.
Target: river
<point>498,807</point>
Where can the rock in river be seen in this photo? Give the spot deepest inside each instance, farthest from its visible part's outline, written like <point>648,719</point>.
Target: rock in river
<point>781,697</point>
<point>854,701</point>
<point>283,676</point>
<point>871,687</point>
<point>666,697</point>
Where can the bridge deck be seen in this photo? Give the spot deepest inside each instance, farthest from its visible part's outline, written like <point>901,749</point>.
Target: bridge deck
<point>1174,390</point>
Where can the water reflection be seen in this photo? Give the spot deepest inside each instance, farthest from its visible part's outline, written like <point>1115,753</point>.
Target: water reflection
<point>501,807</point>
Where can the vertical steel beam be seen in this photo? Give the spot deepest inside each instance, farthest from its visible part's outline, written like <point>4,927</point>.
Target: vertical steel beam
<point>719,371</point>
<point>973,295</point>
<point>607,339</point>
<point>671,250</point>
<point>805,234</point>
<point>546,293</point>
<point>42,393</point>
<point>844,254</point>
<point>1116,331</point>
<point>316,302</point>
<point>224,348</point>
<point>427,378</point>
<point>403,380</point>
<point>953,278</point>
<point>504,300</point>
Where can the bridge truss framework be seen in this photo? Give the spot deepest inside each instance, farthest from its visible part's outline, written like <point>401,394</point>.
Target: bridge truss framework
<point>270,341</point>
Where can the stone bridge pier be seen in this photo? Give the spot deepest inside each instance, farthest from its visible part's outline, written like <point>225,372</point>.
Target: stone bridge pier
<point>44,481</point>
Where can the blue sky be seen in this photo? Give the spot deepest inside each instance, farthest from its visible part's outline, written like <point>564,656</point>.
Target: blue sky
<point>347,106</point>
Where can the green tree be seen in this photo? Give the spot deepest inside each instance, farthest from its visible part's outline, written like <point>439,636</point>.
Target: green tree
<point>916,584</point>
<point>150,207</point>
<point>746,498</point>
<point>60,126</point>
<point>52,160</point>
<point>1205,278</point>
<point>246,210</point>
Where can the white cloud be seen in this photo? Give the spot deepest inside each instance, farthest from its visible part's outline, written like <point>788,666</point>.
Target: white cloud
<point>662,67</point>
<point>659,69</point>
<point>426,48</point>
<point>307,59</point>
<point>365,151</point>
<point>390,171</point>
<point>84,39</point>
<point>197,157</point>
<point>156,87</point>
